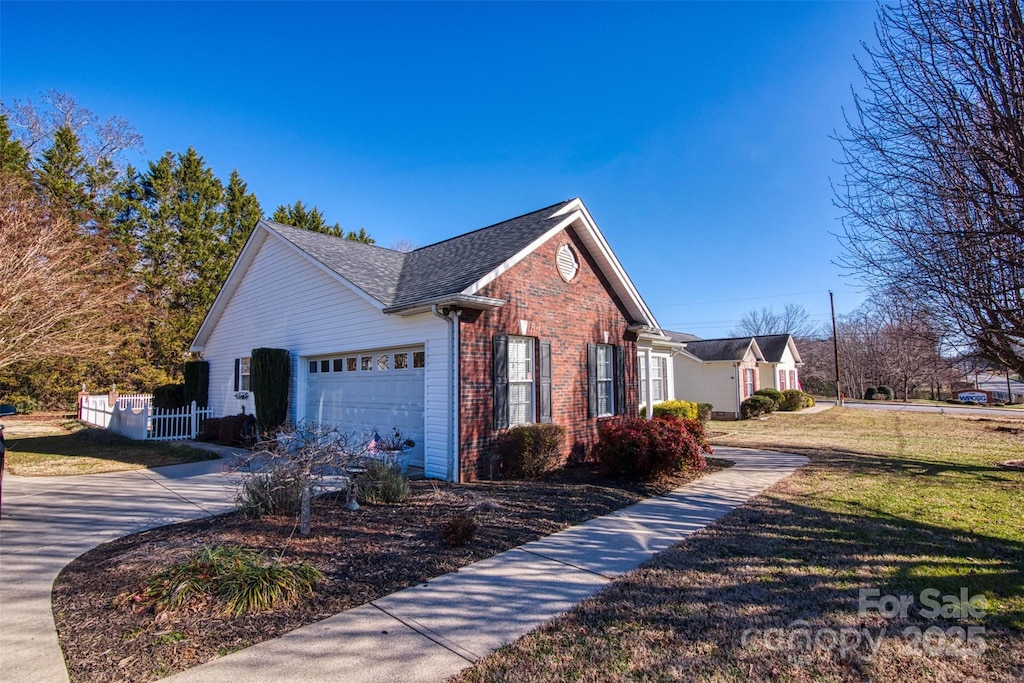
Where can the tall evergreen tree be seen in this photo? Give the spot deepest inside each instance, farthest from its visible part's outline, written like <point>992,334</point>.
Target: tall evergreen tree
<point>297,215</point>
<point>63,175</point>
<point>242,211</point>
<point>184,249</point>
<point>14,158</point>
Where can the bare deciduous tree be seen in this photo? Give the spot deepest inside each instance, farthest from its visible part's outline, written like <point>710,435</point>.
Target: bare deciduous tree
<point>59,296</point>
<point>793,319</point>
<point>933,186</point>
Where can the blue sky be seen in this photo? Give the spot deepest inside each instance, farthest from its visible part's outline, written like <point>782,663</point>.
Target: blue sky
<point>698,134</point>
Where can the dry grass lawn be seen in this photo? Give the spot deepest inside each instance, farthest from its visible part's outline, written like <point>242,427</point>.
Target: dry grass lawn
<point>900,503</point>
<point>55,447</point>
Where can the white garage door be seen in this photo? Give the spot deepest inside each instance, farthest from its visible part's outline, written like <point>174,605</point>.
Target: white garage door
<point>370,390</point>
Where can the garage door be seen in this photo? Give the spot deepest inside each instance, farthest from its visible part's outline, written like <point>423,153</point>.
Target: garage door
<point>370,390</point>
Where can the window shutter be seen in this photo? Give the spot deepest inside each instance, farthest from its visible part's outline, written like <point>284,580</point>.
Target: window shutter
<point>620,380</point>
<point>591,380</point>
<point>500,370</point>
<point>238,372</point>
<point>544,375</point>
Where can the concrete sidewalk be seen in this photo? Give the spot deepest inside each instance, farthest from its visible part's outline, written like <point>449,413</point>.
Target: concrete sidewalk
<point>424,633</point>
<point>434,630</point>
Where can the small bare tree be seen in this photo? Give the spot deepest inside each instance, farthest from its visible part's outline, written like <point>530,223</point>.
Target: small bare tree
<point>793,319</point>
<point>286,469</point>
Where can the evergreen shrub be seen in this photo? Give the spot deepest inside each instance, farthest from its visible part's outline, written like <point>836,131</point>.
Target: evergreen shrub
<point>794,399</point>
<point>530,451</point>
<point>870,394</point>
<point>704,411</point>
<point>197,382</point>
<point>887,393</point>
<point>270,374</point>
<point>774,394</point>
<point>684,410</point>
<point>169,396</point>
<point>755,406</point>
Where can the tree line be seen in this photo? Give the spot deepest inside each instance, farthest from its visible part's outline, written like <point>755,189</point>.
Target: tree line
<point>107,270</point>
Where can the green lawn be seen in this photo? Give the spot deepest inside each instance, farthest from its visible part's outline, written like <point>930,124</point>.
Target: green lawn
<point>62,447</point>
<point>897,503</point>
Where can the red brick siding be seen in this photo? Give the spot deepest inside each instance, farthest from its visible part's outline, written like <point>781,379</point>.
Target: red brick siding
<point>569,315</point>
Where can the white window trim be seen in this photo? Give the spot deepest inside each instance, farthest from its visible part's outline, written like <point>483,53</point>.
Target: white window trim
<point>245,373</point>
<point>530,414</point>
<point>608,381</point>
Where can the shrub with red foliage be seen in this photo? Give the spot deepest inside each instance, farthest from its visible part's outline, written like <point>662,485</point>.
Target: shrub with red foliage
<point>649,448</point>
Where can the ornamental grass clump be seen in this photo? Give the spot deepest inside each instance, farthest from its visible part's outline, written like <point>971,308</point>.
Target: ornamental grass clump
<point>647,449</point>
<point>228,580</point>
<point>382,483</point>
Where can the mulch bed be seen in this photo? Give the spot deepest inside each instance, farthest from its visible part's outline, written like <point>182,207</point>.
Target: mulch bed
<point>364,555</point>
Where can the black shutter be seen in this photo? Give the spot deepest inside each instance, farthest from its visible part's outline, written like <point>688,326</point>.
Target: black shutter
<point>238,372</point>
<point>500,371</point>
<point>591,380</point>
<point>544,374</point>
<point>620,380</point>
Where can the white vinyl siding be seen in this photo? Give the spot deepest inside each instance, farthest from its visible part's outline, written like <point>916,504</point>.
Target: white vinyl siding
<point>285,301</point>
<point>605,380</point>
<point>521,405</point>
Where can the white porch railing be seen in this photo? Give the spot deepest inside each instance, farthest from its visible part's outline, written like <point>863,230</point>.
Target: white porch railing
<point>134,416</point>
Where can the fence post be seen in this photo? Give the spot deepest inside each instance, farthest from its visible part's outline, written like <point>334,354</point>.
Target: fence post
<point>195,421</point>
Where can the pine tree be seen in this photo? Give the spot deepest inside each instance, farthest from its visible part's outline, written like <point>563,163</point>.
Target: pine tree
<point>63,174</point>
<point>241,213</point>
<point>361,236</point>
<point>14,158</point>
<point>298,216</point>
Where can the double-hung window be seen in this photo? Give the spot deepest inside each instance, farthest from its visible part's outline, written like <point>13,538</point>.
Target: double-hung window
<point>643,383</point>
<point>242,373</point>
<point>748,381</point>
<point>520,381</point>
<point>659,379</point>
<point>605,379</point>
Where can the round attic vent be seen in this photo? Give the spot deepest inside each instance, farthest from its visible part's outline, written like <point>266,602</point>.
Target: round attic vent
<point>568,265</point>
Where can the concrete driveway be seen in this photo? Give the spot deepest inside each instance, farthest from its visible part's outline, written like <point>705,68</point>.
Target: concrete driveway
<point>424,633</point>
<point>48,521</point>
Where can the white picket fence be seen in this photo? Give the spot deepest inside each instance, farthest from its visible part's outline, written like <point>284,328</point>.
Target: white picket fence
<point>134,416</point>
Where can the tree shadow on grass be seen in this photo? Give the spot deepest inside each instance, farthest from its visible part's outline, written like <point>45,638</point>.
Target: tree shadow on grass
<point>101,444</point>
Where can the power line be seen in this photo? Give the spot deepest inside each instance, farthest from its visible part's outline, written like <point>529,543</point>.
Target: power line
<point>746,298</point>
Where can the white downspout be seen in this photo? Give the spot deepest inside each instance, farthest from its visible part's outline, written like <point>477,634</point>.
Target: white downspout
<point>453,390</point>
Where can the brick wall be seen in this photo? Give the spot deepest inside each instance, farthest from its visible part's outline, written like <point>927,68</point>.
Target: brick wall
<point>569,315</point>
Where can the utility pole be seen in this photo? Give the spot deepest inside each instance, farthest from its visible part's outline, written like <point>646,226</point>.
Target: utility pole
<point>835,347</point>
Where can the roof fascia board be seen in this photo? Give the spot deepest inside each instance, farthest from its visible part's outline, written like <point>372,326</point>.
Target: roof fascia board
<point>576,213</point>
<point>791,343</point>
<point>245,258</point>
<point>612,261</point>
<point>466,301</point>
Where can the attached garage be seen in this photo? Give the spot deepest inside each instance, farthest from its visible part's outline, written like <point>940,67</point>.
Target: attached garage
<point>370,390</point>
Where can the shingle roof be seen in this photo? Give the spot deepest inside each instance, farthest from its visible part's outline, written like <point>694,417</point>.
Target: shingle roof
<point>719,349</point>
<point>681,336</point>
<point>445,268</point>
<point>772,346</point>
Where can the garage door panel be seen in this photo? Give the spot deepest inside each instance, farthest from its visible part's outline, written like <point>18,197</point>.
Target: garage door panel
<point>363,401</point>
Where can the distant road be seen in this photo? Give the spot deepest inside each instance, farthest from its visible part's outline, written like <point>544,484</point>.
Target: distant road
<point>922,408</point>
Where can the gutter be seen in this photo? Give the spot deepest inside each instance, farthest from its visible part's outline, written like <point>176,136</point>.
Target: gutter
<point>453,389</point>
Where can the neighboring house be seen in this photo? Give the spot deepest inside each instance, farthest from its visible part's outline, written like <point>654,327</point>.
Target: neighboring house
<point>722,372</point>
<point>530,320</point>
<point>781,367</point>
